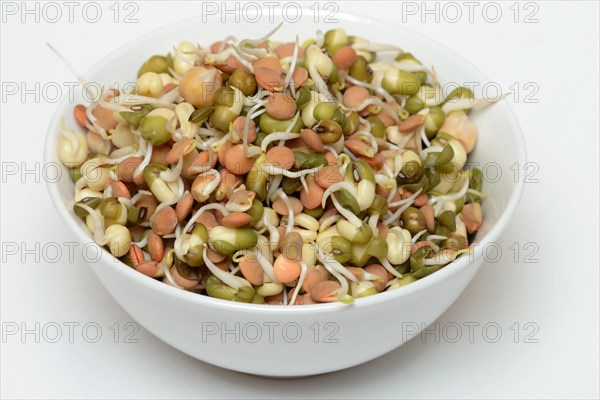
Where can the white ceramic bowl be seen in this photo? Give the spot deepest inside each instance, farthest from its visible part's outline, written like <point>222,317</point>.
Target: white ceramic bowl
<point>297,341</point>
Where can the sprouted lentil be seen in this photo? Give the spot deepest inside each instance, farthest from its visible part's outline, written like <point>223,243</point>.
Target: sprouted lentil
<point>279,173</point>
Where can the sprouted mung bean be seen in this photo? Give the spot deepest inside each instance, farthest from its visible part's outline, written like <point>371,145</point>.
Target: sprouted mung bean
<point>279,173</point>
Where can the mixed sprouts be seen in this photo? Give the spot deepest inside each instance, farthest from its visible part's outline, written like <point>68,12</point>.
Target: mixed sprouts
<point>279,173</point>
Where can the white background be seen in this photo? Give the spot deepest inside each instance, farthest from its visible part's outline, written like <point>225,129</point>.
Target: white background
<point>554,299</point>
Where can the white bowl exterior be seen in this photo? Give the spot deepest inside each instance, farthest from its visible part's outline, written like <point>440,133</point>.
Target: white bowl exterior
<point>369,328</point>
<point>281,344</point>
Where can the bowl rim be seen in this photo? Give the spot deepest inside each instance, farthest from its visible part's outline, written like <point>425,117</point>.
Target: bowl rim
<point>50,156</point>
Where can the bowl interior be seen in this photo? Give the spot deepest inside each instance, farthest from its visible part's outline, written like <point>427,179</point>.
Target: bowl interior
<point>500,143</point>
